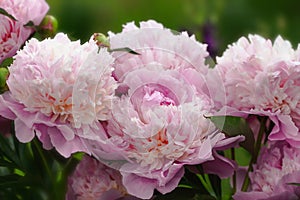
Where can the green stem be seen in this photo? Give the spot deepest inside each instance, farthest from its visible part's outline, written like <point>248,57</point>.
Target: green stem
<point>207,185</point>
<point>43,158</point>
<point>234,174</point>
<point>257,147</point>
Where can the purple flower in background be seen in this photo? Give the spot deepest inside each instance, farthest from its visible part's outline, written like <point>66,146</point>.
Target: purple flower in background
<point>209,38</point>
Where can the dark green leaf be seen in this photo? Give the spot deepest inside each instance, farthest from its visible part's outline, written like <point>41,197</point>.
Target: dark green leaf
<point>6,149</point>
<point>216,185</point>
<point>190,178</point>
<point>125,49</point>
<point>4,12</point>
<point>296,184</point>
<point>203,197</point>
<point>178,194</point>
<point>9,179</point>
<point>30,24</point>
<point>8,164</point>
<point>233,126</point>
<point>6,62</point>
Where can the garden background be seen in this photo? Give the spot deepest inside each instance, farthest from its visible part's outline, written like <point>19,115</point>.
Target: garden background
<point>231,19</point>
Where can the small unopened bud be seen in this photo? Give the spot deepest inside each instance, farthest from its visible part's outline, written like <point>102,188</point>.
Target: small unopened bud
<point>48,26</point>
<point>3,77</point>
<point>101,40</point>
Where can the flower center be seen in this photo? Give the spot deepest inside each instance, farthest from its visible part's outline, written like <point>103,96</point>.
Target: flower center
<point>158,98</point>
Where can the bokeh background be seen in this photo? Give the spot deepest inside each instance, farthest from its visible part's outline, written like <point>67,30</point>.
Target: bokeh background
<point>218,22</point>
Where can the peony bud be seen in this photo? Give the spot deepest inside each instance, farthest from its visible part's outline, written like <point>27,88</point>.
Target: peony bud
<point>3,77</point>
<point>48,26</point>
<point>101,40</point>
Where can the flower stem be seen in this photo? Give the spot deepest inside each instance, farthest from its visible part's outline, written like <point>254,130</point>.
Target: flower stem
<point>257,147</point>
<point>207,184</point>
<point>234,174</point>
<point>40,152</point>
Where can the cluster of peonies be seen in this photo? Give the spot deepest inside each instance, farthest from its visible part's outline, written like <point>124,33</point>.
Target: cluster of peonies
<point>263,79</point>
<point>143,113</point>
<point>63,92</point>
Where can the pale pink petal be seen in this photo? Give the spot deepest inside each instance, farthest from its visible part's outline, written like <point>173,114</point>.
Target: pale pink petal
<point>23,133</point>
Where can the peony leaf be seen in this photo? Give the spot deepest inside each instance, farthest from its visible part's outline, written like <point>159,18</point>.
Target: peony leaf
<point>233,126</point>
<point>5,13</point>
<point>7,151</point>
<point>30,24</point>
<point>9,180</point>
<point>3,77</point>
<point>6,62</point>
<point>183,193</point>
<point>296,184</point>
<point>203,197</point>
<point>216,185</point>
<point>126,49</point>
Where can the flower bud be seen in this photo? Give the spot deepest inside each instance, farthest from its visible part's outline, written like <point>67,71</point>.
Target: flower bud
<point>3,77</point>
<point>48,26</point>
<point>101,40</point>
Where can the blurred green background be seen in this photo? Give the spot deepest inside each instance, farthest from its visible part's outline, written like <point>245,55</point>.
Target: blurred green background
<point>224,21</point>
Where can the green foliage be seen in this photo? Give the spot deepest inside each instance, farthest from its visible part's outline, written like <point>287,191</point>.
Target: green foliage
<point>4,12</point>
<point>29,172</point>
<point>232,18</point>
<point>233,126</point>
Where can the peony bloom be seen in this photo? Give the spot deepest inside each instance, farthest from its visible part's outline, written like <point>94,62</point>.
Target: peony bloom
<point>92,180</point>
<point>151,41</point>
<point>276,168</point>
<point>13,33</point>
<point>158,123</point>
<point>261,78</point>
<point>58,90</point>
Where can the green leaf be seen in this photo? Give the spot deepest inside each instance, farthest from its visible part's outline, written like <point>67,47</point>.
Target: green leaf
<point>178,194</point>
<point>203,197</point>
<point>9,179</point>
<point>30,24</point>
<point>6,62</point>
<point>233,126</point>
<point>125,49</point>
<point>8,151</point>
<point>216,185</point>
<point>8,164</point>
<point>190,178</point>
<point>227,190</point>
<point>242,156</point>
<point>4,12</point>
<point>296,184</point>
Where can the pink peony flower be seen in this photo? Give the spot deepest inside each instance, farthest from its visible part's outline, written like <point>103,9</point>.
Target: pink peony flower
<point>13,33</point>
<point>158,123</point>
<point>260,78</point>
<point>151,41</point>
<point>277,167</point>
<point>157,129</point>
<point>92,180</point>
<point>58,90</point>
